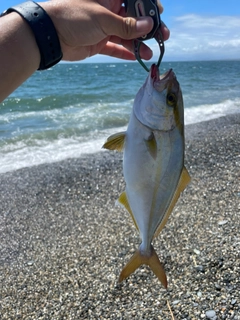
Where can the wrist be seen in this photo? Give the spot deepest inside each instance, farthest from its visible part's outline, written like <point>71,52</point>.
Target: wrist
<point>20,40</point>
<point>55,12</point>
<point>19,53</point>
<point>43,30</point>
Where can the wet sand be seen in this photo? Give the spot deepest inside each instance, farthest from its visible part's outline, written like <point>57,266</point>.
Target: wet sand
<point>63,242</point>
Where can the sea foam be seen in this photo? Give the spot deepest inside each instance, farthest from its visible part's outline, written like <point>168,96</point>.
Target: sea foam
<point>22,154</point>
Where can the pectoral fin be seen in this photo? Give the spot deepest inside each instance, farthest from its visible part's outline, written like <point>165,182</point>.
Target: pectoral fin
<point>151,144</point>
<point>115,141</point>
<point>152,261</point>
<point>183,182</point>
<point>124,202</point>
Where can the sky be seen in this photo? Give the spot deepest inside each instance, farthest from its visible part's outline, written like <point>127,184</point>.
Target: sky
<point>200,30</point>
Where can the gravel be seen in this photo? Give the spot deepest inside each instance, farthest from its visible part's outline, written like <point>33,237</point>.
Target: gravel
<point>63,242</point>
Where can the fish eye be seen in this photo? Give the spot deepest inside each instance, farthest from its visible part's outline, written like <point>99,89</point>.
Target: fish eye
<point>171,99</point>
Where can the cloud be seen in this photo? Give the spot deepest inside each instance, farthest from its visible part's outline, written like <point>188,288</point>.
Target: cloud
<point>195,37</point>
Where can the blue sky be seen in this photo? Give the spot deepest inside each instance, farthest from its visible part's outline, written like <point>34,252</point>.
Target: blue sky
<point>200,30</point>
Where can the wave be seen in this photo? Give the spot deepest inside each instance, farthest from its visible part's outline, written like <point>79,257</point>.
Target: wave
<point>207,112</point>
<point>22,154</point>
<point>33,150</point>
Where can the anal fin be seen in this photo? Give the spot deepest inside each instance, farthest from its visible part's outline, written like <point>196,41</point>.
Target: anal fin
<point>124,202</point>
<point>182,184</point>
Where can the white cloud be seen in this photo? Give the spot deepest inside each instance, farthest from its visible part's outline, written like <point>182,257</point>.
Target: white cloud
<point>200,37</point>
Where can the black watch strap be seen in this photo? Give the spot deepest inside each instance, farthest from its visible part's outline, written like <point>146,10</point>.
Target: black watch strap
<point>44,31</point>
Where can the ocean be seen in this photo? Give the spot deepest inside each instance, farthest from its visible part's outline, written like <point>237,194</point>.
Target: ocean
<point>70,109</point>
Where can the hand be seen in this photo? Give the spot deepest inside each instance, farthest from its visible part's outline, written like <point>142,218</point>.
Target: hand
<point>88,27</point>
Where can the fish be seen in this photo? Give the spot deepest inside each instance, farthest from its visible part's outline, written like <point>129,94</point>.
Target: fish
<point>153,164</point>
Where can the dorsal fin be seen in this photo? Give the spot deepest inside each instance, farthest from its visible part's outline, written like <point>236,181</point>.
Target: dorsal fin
<point>115,141</point>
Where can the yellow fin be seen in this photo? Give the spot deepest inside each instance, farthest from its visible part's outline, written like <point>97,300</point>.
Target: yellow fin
<point>152,261</point>
<point>182,183</point>
<point>124,201</point>
<point>115,141</point>
<point>151,144</point>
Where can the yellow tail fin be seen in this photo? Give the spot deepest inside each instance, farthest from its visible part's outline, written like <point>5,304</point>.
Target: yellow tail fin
<point>152,261</point>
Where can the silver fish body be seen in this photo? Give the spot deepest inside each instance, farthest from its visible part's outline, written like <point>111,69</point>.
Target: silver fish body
<point>153,163</point>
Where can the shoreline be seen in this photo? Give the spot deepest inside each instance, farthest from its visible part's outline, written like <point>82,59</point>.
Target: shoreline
<point>64,243</point>
<point>49,152</point>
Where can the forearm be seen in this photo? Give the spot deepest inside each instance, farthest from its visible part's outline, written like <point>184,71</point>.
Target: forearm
<point>84,28</point>
<point>19,53</point>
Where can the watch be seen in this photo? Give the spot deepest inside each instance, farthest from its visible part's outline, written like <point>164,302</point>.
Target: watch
<point>44,32</point>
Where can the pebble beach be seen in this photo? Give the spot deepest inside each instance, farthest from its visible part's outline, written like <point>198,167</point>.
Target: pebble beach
<point>63,242</point>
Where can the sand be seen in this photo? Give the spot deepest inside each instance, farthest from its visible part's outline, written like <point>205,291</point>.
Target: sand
<point>63,242</point>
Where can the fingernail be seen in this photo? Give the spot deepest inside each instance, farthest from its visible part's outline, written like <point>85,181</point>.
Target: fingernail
<point>144,25</point>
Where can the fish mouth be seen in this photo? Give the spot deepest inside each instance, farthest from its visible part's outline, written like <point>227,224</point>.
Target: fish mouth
<point>161,80</point>
<point>167,75</point>
<point>155,75</point>
<point>161,83</point>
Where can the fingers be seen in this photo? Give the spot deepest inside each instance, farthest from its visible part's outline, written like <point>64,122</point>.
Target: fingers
<point>165,31</point>
<point>160,7</point>
<point>145,52</point>
<point>117,51</point>
<point>125,27</point>
<point>129,28</point>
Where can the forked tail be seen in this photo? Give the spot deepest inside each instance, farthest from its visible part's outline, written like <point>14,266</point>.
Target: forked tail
<point>139,259</point>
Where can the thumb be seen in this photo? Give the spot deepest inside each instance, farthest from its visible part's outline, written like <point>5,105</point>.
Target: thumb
<point>129,28</point>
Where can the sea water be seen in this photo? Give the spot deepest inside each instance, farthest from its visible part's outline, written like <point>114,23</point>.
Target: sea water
<point>70,109</point>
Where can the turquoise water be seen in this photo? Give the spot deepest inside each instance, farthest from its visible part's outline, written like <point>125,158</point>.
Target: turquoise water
<point>70,109</point>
